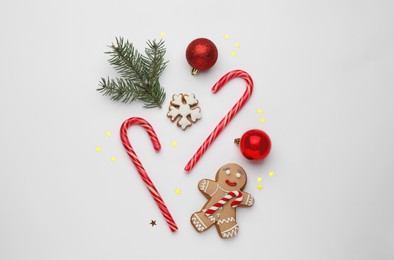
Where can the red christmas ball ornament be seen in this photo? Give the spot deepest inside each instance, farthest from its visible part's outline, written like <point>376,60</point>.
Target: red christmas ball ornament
<point>255,144</point>
<point>201,54</point>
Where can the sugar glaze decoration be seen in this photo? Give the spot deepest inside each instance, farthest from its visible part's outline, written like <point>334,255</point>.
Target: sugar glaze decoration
<point>184,109</point>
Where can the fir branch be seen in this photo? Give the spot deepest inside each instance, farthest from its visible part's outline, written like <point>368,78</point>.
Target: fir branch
<point>155,57</point>
<point>139,74</point>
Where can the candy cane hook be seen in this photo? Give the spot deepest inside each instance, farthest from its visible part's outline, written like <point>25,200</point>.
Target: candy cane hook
<point>223,123</point>
<point>137,163</point>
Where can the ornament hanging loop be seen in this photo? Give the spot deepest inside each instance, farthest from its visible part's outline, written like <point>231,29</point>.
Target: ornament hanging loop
<point>195,72</point>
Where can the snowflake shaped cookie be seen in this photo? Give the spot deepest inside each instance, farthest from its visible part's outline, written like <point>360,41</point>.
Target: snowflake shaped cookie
<point>183,107</point>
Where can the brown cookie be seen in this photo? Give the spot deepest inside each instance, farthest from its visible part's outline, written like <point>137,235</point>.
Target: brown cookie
<point>224,195</point>
<point>184,108</point>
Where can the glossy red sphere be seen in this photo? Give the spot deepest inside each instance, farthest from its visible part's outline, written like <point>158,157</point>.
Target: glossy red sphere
<point>201,54</point>
<point>255,145</point>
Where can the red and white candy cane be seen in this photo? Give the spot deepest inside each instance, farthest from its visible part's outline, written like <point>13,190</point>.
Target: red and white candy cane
<point>133,156</point>
<point>223,123</point>
<point>224,200</point>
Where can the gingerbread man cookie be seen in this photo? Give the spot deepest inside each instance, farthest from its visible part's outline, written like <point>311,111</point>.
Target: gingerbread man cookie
<point>224,195</point>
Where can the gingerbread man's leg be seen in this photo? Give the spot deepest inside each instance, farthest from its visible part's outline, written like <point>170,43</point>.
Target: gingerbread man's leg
<point>201,222</point>
<point>227,227</point>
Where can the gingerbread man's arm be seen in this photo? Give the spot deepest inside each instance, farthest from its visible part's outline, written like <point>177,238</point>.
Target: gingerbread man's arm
<point>208,187</point>
<point>247,200</point>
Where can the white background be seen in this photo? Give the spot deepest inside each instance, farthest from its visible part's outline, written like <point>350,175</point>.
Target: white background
<point>323,73</point>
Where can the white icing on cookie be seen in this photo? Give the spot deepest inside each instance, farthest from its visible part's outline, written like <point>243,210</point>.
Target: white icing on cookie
<point>185,107</point>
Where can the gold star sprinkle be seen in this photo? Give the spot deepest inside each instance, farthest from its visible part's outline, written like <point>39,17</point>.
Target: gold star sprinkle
<point>162,34</point>
<point>173,143</point>
<point>233,54</point>
<point>226,36</point>
<point>178,191</point>
<point>259,111</point>
<point>262,120</point>
<point>108,133</point>
<point>98,149</point>
<point>259,187</point>
<point>113,158</point>
<point>153,222</point>
<point>259,179</point>
<point>271,173</point>
<point>236,44</point>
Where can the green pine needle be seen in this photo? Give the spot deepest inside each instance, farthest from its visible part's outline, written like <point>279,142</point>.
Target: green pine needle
<point>139,73</point>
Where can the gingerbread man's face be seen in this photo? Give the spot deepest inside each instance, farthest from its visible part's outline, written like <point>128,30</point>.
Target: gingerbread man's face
<point>231,177</point>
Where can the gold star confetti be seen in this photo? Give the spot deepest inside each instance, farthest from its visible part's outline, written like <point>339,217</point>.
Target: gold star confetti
<point>178,191</point>
<point>113,158</point>
<point>259,187</point>
<point>236,44</point>
<point>233,54</point>
<point>259,111</point>
<point>226,36</point>
<point>262,120</point>
<point>98,149</point>
<point>108,133</point>
<point>271,173</point>
<point>259,179</point>
<point>162,34</point>
<point>173,143</point>
<point>153,222</point>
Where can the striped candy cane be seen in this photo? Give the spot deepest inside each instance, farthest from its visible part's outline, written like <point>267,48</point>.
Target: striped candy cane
<point>223,123</point>
<point>224,200</point>
<point>133,156</point>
